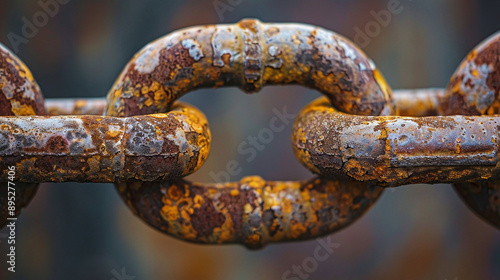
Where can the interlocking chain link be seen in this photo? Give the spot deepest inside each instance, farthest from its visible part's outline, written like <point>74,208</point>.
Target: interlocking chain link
<point>107,149</point>
<point>395,151</point>
<point>249,54</point>
<point>352,138</point>
<point>474,89</point>
<point>20,96</point>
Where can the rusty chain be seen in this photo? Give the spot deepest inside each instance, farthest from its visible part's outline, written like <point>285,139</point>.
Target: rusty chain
<point>20,96</point>
<point>358,139</point>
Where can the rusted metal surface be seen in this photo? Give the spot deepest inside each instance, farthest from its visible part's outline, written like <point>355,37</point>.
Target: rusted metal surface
<point>418,102</point>
<point>95,106</point>
<point>393,151</point>
<point>104,149</point>
<point>249,54</point>
<point>396,151</point>
<point>252,212</point>
<point>81,106</point>
<point>474,88</point>
<point>410,102</point>
<point>147,155</point>
<point>19,95</point>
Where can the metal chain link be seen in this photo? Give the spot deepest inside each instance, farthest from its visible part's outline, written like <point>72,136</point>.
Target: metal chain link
<point>249,54</point>
<point>352,138</point>
<point>20,95</point>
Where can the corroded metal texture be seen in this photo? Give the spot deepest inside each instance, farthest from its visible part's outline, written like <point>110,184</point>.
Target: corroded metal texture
<point>19,92</point>
<point>253,212</point>
<point>104,149</point>
<point>249,54</point>
<point>355,155</point>
<point>410,102</point>
<point>82,106</point>
<point>474,88</point>
<point>19,95</point>
<point>396,151</point>
<point>418,102</point>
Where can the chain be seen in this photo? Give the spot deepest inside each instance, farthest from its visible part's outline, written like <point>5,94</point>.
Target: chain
<point>474,90</point>
<point>20,95</point>
<point>358,139</point>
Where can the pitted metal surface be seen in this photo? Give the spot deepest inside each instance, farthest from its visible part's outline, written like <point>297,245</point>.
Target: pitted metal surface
<point>394,151</point>
<point>105,149</point>
<point>249,54</point>
<point>352,137</point>
<point>474,88</point>
<point>19,96</point>
<point>252,212</point>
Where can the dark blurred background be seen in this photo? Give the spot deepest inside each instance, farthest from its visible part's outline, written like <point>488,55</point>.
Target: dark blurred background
<point>85,231</point>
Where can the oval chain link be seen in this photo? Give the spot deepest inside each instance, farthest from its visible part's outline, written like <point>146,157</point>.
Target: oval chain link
<point>352,138</point>
<point>20,95</point>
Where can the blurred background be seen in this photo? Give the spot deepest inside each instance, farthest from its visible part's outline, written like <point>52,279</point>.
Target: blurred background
<point>85,231</point>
